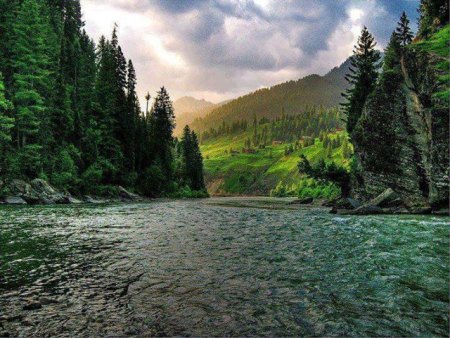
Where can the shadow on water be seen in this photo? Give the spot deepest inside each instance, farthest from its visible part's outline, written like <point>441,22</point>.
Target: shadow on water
<point>220,267</point>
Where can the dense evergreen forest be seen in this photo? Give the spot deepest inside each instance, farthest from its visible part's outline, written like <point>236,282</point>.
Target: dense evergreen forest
<point>285,128</point>
<point>397,115</point>
<point>69,111</point>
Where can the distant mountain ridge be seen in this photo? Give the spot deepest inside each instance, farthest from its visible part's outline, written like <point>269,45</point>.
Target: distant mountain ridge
<point>293,96</point>
<point>188,109</point>
<point>188,104</point>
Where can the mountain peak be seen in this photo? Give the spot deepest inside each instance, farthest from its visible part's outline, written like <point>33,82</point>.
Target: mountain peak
<point>189,104</point>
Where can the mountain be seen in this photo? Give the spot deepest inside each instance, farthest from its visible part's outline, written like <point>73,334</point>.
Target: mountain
<point>188,104</point>
<point>186,116</point>
<point>293,96</point>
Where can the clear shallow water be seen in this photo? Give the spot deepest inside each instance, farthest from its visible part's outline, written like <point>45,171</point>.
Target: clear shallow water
<point>221,267</point>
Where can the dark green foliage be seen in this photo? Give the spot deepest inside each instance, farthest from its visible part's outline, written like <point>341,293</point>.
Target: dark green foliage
<point>433,14</point>
<point>191,161</point>
<point>31,86</point>
<point>6,124</point>
<point>345,149</point>
<point>326,172</point>
<point>375,135</point>
<point>393,54</point>
<point>69,110</point>
<point>403,31</point>
<point>362,77</point>
<point>162,126</point>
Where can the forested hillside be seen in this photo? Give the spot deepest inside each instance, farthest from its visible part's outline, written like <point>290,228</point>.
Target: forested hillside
<point>263,155</point>
<point>69,111</point>
<point>293,97</point>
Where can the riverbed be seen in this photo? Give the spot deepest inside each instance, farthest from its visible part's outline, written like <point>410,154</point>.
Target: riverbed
<point>220,267</point>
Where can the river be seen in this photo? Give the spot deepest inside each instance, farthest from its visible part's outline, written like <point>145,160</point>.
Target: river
<point>220,267</point>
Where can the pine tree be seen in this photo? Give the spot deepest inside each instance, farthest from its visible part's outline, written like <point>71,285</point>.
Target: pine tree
<point>362,77</point>
<point>133,112</point>
<point>106,112</point>
<point>6,122</point>
<point>329,152</point>
<point>345,149</point>
<point>403,31</point>
<point>432,14</point>
<point>187,156</point>
<point>393,51</point>
<point>162,125</point>
<point>198,181</point>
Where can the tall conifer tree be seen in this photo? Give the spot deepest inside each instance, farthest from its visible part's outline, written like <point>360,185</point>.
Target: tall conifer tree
<point>362,77</point>
<point>163,124</point>
<point>403,31</point>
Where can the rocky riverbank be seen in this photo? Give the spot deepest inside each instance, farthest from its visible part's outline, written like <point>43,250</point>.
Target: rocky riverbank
<point>39,191</point>
<point>388,203</point>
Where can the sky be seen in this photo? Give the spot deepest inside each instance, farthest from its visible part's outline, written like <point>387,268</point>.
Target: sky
<point>222,49</point>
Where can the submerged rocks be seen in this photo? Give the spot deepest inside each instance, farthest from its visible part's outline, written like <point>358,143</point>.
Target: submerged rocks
<point>345,204</point>
<point>46,301</point>
<point>32,305</point>
<point>39,191</point>
<point>388,202</point>
<point>302,201</point>
<point>93,200</point>
<point>366,209</point>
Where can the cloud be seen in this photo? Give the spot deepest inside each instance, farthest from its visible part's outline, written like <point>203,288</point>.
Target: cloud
<point>219,49</point>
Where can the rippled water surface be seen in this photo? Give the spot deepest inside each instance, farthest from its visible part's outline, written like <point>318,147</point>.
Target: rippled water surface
<point>220,267</point>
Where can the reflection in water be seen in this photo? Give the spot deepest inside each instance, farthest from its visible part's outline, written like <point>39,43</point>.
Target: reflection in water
<point>220,267</point>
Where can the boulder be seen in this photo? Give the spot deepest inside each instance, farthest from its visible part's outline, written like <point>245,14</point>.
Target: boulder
<point>23,190</point>
<point>366,209</point>
<point>42,187</point>
<point>126,195</point>
<point>47,194</point>
<point>15,200</point>
<point>19,188</point>
<point>345,204</point>
<point>302,201</point>
<point>387,199</point>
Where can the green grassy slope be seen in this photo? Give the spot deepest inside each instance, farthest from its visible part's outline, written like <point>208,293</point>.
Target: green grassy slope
<point>438,46</point>
<point>254,174</point>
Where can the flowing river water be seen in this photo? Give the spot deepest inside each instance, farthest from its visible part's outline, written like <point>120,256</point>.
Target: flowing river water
<point>220,267</point>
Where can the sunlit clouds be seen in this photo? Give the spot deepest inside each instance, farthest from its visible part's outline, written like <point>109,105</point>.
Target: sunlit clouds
<point>218,49</point>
